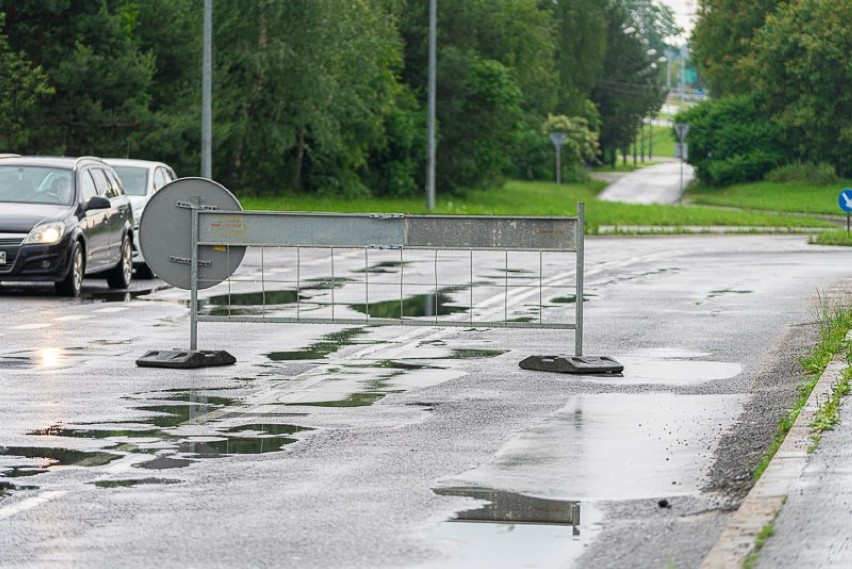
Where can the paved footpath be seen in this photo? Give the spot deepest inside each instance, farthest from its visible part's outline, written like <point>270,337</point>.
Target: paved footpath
<point>658,184</point>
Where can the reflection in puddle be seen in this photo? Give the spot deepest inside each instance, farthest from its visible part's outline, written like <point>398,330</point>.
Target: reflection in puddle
<point>133,482</point>
<point>328,344</point>
<point>383,267</point>
<point>7,487</point>
<point>515,508</point>
<point>472,353</point>
<point>419,305</point>
<point>61,456</point>
<point>233,445</point>
<point>514,530</point>
<point>165,463</point>
<point>360,399</point>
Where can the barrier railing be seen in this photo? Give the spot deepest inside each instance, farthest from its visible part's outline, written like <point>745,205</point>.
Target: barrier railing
<point>398,241</point>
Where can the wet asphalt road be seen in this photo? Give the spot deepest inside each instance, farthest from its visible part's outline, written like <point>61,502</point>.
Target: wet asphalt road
<point>386,434</point>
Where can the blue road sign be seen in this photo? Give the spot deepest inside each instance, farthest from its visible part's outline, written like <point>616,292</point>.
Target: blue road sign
<point>845,200</point>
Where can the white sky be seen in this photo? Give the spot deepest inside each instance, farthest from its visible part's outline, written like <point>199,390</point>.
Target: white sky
<point>684,11</point>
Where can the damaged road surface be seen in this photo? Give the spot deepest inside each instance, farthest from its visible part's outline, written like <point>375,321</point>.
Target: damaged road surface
<point>357,447</point>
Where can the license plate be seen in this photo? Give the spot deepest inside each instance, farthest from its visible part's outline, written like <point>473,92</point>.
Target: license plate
<point>2,257</point>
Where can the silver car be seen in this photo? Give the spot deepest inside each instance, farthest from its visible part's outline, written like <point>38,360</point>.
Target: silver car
<point>141,180</point>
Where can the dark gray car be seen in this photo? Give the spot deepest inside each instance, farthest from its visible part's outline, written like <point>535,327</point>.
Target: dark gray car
<point>61,219</point>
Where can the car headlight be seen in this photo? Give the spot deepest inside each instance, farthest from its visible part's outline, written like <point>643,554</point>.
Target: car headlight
<point>46,234</point>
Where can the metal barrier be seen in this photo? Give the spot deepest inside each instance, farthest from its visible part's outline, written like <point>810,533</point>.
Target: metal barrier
<point>406,238</point>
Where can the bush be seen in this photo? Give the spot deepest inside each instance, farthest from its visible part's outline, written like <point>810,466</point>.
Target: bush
<point>731,141</point>
<point>821,174</point>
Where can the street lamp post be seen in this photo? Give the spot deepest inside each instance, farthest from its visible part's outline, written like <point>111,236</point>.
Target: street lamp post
<point>430,175</point>
<point>206,94</point>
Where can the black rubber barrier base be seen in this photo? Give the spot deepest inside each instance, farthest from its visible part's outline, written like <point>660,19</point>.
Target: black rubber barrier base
<point>185,359</point>
<point>572,364</point>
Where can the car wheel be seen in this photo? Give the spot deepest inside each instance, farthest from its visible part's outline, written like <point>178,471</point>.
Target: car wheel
<point>120,275</point>
<point>143,271</point>
<point>73,281</point>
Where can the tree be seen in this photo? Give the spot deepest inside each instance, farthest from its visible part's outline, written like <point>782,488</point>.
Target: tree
<point>722,39</point>
<point>731,140</point>
<point>495,75</point>
<point>22,87</point>
<point>802,68</point>
<point>629,89</point>
<point>303,91</point>
<point>90,56</point>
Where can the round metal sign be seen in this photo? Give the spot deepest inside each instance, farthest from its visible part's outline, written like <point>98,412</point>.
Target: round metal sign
<point>844,200</point>
<point>165,234</point>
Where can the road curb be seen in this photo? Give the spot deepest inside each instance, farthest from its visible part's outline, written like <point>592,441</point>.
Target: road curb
<point>768,495</point>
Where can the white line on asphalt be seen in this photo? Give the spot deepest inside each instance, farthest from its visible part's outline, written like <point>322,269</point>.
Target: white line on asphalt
<point>30,503</point>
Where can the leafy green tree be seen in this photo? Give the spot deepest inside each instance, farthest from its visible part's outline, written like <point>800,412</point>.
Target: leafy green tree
<point>801,66</point>
<point>303,90</point>
<point>89,53</point>
<point>731,140</point>
<point>629,89</point>
<point>494,75</point>
<point>171,32</point>
<point>22,87</point>
<point>722,39</point>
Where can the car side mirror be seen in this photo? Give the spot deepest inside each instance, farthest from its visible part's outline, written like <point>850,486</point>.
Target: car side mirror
<point>98,202</point>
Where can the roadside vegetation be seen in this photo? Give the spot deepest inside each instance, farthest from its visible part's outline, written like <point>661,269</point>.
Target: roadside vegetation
<point>545,198</point>
<point>835,325</point>
<point>803,197</point>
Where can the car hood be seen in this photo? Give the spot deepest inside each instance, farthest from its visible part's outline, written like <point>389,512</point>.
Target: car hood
<point>21,217</point>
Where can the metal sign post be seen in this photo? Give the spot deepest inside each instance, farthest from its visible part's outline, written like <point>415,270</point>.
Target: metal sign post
<point>558,139</point>
<point>682,150</point>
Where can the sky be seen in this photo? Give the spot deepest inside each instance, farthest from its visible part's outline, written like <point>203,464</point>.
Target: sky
<point>684,11</point>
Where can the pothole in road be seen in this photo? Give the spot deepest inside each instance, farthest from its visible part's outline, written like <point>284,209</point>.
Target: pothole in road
<point>543,532</point>
<point>60,456</point>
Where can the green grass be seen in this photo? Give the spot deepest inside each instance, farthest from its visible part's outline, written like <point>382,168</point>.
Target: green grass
<point>834,327</point>
<point>790,197</point>
<point>541,198</point>
<point>762,537</point>
<point>841,237</point>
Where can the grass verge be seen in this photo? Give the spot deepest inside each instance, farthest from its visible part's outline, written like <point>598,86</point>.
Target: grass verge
<point>543,198</point>
<point>832,238</point>
<point>834,327</point>
<point>771,196</point>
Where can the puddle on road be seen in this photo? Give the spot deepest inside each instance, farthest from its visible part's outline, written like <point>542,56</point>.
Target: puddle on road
<point>8,487</point>
<point>233,445</point>
<point>669,366</point>
<point>328,344</point>
<point>165,463</point>
<point>615,446</point>
<point>61,456</point>
<point>43,358</point>
<point>542,532</point>
<point>383,267</point>
<point>411,307</point>
<point>133,482</point>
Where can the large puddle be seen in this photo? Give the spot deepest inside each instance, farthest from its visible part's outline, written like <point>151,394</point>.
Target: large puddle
<point>614,446</point>
<point>510,530</point>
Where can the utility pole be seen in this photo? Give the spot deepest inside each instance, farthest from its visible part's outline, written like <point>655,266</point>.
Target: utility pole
<point>206,94</point>
<point>430,174</point>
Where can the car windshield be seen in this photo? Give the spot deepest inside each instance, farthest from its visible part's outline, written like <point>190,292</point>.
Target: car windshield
<point>36,184</point>
<point>134,179</point>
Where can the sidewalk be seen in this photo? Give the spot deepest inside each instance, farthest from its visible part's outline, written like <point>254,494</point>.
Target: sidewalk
<point>805,497</point>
